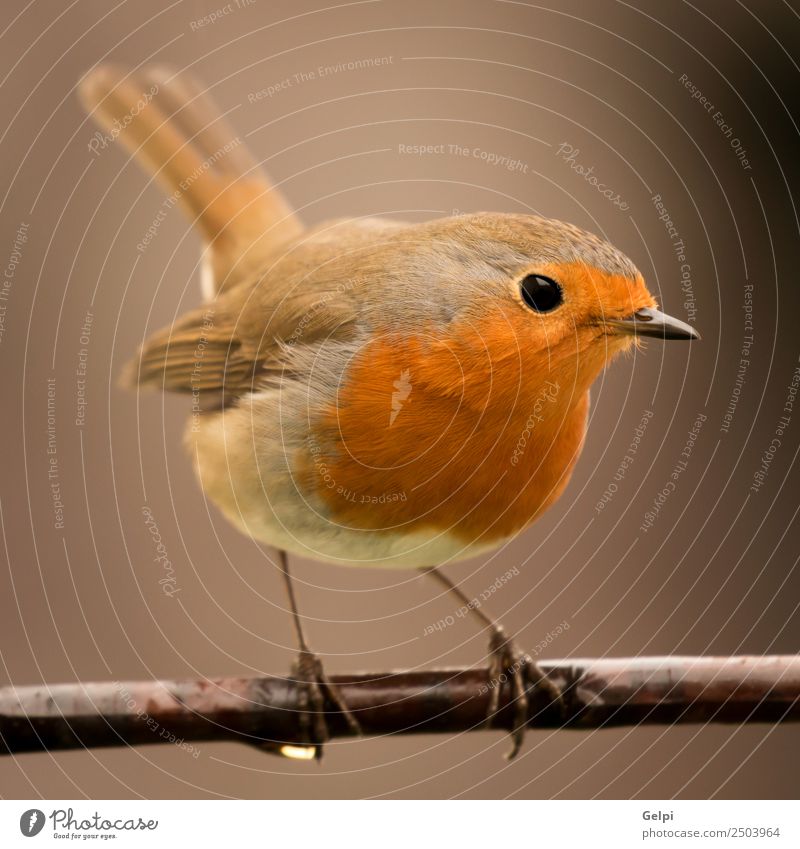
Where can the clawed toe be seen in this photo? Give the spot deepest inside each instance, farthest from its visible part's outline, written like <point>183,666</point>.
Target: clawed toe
<point>510,665</point>
<point>314,687</point>
<point>507,664</point>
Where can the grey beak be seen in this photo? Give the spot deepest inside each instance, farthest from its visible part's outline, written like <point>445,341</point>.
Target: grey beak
<point>648,322</point>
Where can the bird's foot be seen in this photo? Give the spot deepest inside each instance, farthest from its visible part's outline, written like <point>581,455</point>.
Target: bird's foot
<point>314,685</point>
<point>509,664</point>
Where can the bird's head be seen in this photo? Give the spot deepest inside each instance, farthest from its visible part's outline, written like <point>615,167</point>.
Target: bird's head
<point>499,289</point>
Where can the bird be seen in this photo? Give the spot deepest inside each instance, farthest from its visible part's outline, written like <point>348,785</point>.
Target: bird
<point>368,391</point>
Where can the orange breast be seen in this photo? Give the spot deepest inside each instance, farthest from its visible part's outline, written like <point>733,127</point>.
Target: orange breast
<point>464,433</point>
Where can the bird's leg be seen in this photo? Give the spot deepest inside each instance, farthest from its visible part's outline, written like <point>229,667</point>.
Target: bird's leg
<point>313,682</point>
<point>507,663</point>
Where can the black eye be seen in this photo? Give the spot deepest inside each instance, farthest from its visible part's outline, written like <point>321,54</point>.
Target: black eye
<point>541,293</point>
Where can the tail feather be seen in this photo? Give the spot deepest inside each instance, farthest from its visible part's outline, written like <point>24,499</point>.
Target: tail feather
<point>198,116</point>
<point>171,124</point>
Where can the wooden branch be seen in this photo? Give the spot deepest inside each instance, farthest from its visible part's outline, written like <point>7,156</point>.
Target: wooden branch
<point>264,711</point>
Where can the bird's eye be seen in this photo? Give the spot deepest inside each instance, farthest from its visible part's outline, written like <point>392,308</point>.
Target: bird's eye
<point>541,293</point>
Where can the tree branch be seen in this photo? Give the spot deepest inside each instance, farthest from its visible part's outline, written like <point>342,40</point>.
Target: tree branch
<point>264,711</point>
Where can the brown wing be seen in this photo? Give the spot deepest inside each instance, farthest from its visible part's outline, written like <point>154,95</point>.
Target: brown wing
<point>233,344</point>
<point>194,354</point>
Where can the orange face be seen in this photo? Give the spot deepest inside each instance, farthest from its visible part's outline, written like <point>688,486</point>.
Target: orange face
<point>473,428</point>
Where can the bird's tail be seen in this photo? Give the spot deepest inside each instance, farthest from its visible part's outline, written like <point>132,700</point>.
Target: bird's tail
<point>173,127</point>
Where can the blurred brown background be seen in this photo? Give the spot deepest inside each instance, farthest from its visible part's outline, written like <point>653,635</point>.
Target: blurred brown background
<point>716,572</point>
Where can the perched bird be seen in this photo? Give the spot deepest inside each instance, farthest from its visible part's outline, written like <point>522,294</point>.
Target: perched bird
<point>372,392</point>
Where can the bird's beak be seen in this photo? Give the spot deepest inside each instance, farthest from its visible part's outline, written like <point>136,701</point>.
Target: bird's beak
<point>650,322</point>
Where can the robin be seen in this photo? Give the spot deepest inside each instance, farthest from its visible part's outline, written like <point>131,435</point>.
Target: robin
<point>372,392</point>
